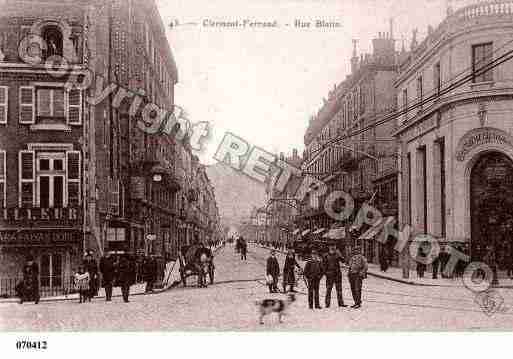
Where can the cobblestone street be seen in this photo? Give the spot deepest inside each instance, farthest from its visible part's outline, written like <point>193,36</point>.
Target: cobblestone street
<point>229,304</point>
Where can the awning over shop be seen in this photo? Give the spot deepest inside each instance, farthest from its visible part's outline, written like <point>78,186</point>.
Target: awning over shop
<point>305,232</point>
<point>296,232</point>
<point>377,228</point>
<point>336,233</point>
<point>373,231</point>
<point>318,231</point>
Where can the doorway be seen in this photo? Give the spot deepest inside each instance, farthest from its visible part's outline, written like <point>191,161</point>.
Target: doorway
<point>491,210</point>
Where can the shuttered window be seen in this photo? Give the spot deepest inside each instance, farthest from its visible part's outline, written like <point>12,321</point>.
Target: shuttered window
<point>2,178</point>
<point>27,104</point>
<point>26,178</point>
<point>73,177</point>
<point>74,111</point>
<point>4,100</point>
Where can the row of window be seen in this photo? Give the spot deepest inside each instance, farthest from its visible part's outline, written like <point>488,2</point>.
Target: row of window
<point>482,56</point>
<point>158,64</point>
<point>45,179</point>
<point>43,104</point>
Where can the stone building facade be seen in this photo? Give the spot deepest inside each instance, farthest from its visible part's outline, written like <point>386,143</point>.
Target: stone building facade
<point>77,173</point>
<point>456,148</point>
<point>346,146</point>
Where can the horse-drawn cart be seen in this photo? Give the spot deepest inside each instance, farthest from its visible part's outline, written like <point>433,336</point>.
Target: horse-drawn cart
<point>196,260</point>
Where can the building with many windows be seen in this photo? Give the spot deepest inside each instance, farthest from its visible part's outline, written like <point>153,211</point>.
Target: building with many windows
<point>77,172</point>
<point>455,132</point>
<point>348,149</point>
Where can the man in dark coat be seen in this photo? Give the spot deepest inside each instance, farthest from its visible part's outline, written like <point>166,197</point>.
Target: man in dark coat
<point>273,271</point>
<point>421,262</point>
<point>91,266</point>
<point>107,268</point>
<point>383,258</point>
<point>150,273</point>
<point>357,272</point>
<point>313,273</point>
<point>243,248</point>
<point>436,264</point>
<point>29,288</point>
<point>289,279</point>
<point>126,273</point>
<point>332,262</point>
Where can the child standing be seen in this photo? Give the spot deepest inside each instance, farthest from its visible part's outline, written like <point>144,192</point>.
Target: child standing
<point>82,280</point>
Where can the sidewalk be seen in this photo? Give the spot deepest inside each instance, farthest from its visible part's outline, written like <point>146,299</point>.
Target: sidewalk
<point>136,289</point>
<point>396,274</point>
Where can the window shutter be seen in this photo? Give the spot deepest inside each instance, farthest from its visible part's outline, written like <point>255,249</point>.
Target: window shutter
<point>73,175</point>
<point>27,108</point>
<point>4,101</point>
<point>2,179</point>
<point>74,113</point>
<point>26,178</point>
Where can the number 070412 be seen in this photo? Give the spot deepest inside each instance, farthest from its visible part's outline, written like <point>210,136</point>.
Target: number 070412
<point>31,345</point>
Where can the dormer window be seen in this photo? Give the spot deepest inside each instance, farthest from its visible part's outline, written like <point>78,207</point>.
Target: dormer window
<point>54,42</point>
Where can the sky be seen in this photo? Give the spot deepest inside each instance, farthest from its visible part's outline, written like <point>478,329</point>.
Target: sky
<point>264,84</point>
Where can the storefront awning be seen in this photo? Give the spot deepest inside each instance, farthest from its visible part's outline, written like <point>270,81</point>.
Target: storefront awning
<point>305,232</point>
<point>373,231</point>
<point>296,232</point>
<point>318,231</point>
<point>336,233</point>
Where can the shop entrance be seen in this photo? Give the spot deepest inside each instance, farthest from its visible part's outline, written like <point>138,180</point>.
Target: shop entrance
<point>491,211</point>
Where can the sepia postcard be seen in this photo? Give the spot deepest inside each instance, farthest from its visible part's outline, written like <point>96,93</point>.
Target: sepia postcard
<point>254,166</point>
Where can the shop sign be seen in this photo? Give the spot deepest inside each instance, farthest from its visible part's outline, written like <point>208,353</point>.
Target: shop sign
<point>17,214</point>
<point>39,237</point>
<point>479,137</point>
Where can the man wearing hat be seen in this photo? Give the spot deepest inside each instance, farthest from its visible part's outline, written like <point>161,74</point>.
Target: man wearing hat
<point>273,272</point>
<point>356,273</point>
<point>332,262</point>
<point>313,272</point>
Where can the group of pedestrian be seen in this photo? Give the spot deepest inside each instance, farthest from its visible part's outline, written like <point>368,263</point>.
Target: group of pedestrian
<point>273,272</point>
<point>315,269</point>
<point>114,272</point>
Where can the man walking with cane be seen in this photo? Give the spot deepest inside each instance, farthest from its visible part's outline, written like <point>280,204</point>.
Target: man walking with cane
<point>357,272</point>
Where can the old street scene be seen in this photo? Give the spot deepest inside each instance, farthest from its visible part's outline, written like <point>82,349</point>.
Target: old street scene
<point>170,167</point>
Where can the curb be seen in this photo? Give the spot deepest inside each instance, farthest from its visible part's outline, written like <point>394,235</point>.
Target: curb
<point>155,291</point>
<point>408,282</point>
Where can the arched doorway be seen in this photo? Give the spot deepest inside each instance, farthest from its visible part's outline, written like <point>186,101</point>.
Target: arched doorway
<point>491,210</point>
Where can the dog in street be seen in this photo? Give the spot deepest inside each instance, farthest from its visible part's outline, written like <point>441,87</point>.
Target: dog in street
<point>279,306</point>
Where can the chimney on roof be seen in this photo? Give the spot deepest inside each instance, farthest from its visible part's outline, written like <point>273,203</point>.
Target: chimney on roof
<point>354,59</point>
<point>414,42</point>
<point>294,154</point>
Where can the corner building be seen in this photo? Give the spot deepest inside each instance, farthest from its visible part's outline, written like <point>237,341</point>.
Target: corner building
<point>456,149</point>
